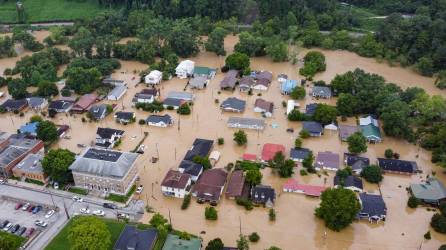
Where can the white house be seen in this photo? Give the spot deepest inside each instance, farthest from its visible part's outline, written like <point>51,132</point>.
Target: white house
<point>154,77</point>
<point>143,98</point>
<point>176,184</point>
<point>185,69</point>
<point>159,121</point>
<point>291,105</point>
<point>364,121</point>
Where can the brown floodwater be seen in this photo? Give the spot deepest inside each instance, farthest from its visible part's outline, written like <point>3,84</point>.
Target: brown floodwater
<point>296,226</point>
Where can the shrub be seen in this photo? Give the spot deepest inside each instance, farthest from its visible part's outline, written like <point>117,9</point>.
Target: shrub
<point>413,202</point>
<point>254,237</point>
<point>372,174</point>
<point>304,134</point>
<point>184,109</point>
<point>186,202</point>
<point>427,235</point>
<point>272,214</point>
<point>303,172</point>
<point>240,137</point>
<point>221,141</point>
<point>245,203</point>
<point>438,223</point>
<point>141,122</point>
<point>388,153</point>
<point>170,107</point>
<point>210,213</point>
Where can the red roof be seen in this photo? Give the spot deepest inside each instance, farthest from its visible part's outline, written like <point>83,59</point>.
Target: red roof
<point>270,149</point>
<point>249,157</point>
<point>310,190</point>
<point>235,184</point>
<point>85,102</point>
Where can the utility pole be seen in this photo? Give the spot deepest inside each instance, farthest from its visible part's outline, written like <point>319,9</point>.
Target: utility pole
<point>65,209</point>
<point>52,200</point>
<point>170,218</point>
<point>240,223</point>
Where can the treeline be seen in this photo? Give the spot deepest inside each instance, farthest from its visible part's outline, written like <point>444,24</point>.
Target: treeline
<point>410,114</point>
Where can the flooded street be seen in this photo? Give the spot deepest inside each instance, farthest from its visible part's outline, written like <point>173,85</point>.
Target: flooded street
<point>296,227</point>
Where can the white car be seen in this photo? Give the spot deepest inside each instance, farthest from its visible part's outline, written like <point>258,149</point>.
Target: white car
<point>7,227</point>
<point>40,223</point>
<point>85,210</point>
<point>26,206</point>
<point>123,216</point>
<point>2,181</point>
<point>56,185</point>
<point>77,198</point>
<point>139,189</point>
<point>99,212</point>
<point>49,214</point>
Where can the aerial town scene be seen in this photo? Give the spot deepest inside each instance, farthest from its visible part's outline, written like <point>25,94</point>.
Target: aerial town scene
<point>222,125</point>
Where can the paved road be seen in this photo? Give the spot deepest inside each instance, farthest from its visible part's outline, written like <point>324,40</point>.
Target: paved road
<point>60,200</point>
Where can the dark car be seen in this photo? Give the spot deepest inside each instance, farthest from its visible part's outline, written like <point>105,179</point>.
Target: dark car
<point>29,232</point>
<point>290,130</point>
<point>14,228</point>
<point>18,206</point>
<point>37,209</point>
<point>110,205</point>
<point>20,231</point>
<point>4,223</point>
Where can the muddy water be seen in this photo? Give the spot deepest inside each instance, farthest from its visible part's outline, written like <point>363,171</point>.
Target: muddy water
<point>295,227</point>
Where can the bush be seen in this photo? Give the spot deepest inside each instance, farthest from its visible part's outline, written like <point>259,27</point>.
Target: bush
<point>141,122</point>
<point>210,213</point>
<point>272,214</point>
<point>221,141</point>
<point>427,235</point>
<point>240,137</point>
<point>186,202</point>
<point>438,223</point>
<point>254,237</point>
<point>413,202</point>
<point>372,174</point>
<point>184,109</point>
<point>245,203</point>
<point>170,107</point>
<point>304,134</point>
<point>303,172</point>
<point>388,153</point>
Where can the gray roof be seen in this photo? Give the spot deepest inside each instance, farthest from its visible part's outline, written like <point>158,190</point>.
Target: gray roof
<point>230,79</point>
<point>172,102</point>
<point>321,91</point>
<point>312,127</point>
<point>299,153</point>
<point>233,103</point>
<point>327,159</point>
<point>108,163</point>
<point>250,123</point>
<point>97,111</point>
<point>198,82</point>
<point>159,118</point>
<point>118,90</point>
<point>347,130</point>
<point>35,102</point>
<point>31,164</point>
<point>432,190</point>
<point>181,95</point>
<point>17,147</point>
<point>133,238</point>
<point>373,205</point>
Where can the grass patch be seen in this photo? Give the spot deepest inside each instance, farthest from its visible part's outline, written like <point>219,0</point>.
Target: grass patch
<point>77,190</point>
<point>15,241</point>
<point>60,242</point>
<point>34,182</point>
<point>121,198</point>
<point>50,10</point>
<point>12,177</point>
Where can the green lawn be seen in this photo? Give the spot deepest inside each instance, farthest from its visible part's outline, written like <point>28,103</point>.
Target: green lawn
<point>50,10</point>
<point>60,242</point>
<point>15,240</point>
<point>121,198</point>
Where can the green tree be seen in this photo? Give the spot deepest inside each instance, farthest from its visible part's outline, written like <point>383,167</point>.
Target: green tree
<point>242,243</point>
<point>347,105</point>
<point>338,208</point>
<point>277,50</point>
<point>158,220</point>
<point>215,244</point>
<point>438,223</point>
<point>395,119</point>
<point>254,177</point>
<point>357,143</point>
<point>284,167</point>
<point>272,214</point>
<point>56,164</point>
<point>238,61</point>
<point>298,93</point>
<point>82,42</point>
<point>388,153</point>
<point>254,237</point>
<point>440,81</point>
<point>184,109</point>
<point>314,62</point>
<point>308,162</point>
<point>47,89</point>
<point>297,143</point>
<point>304,134</point>
<point>88,232</point>
<point>250,44</point>
<point>274,248</point>
<point>425,66</point>
<point>372,174</point>
<point>413,202</point>
<point>325,114</point>
<point>183,39</point>
<point>36,118</point>
<point>215,42</point>
<point>240,138</point>
<point>296,115</point>
<point>210,213</point>
<point>204,161</point>
<point>81,80</point>
<point>47,132</point>
<point>17,89</point>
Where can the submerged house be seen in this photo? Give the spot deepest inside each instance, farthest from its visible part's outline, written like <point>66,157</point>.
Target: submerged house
<point>185,69</point>
<point>117,93</point>
<point>37,103</point>
<point>351,182</point>
<point>321,92</point>
<point>357,163</point>
<point>246,83</point>
<point>299,154</point>
<point>99,112</point>
<point>345,131</point>
<point>233,104</point>
<point>198,82</point>
<point>191,168</point>
<point>210,185</point>
<point>84,103</point>
<point>230,80</point>
<point>162,121</point>
<point>287,86</point>
<point>60,106</point>
<point>176,184</point>
<point>373,207</point>
<point>125,117</point>
<point>246,123</point>
<point>264,107</point>
<point>208,73</point>
<point>154,77</point>
<point>292,186</point>
<point>107,137</point>
<point>262,80</point>
<point>236,185</point>
<point>12,105</point>
<point>262,194</point>
<point>431,192</point>
<point>397,166</point>
<point>269,150</point>
<point>327,161</point>
<point>314,128</point>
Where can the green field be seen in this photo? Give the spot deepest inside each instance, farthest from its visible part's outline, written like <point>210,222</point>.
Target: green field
<point>49,10</point>
<point>60,242</point>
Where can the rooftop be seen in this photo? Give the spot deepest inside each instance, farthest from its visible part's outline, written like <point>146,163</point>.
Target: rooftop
<point>132,238</point>
<point>173,242</point>
<point>31,164</point>
<point>200,147</point>
<point>176,179</point>
<point>270,150</point>
<point>432,190</point>
<point>235,184</point>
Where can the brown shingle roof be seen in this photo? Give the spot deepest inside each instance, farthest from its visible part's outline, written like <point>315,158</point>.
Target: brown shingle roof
<point>210,184</point>
<point>265,105</point>
<point>85,102</point>
<point>230,79</point>
<point>235,184</point>
<point>176,179</point>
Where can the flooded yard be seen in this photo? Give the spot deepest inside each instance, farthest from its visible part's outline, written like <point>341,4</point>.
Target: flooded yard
<point>296,226</point>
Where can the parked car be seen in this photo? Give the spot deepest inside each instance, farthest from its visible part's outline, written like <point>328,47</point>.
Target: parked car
<point>110,205</point>
<point>56,185</point>
<point>29,232</point>
<point>85,210</point>
<point>20,231</point>
<point>7,226</point>
<point>77,199</point>
<point>30,208</point>
<point>18,206</point>
<point>40,223</point>
<point>2,181</point>
<point>26,206</point>
<point>49,214</point>
<point>122,216</point>
<point>4,223</point>
<point>99,212</point>
<point>139,189</point>
<point>290,130</point>
<point>37,209</point>
<point>14,228</point>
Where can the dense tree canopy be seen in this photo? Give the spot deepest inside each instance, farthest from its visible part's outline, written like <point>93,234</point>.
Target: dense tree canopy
<point>56,164</point>
<point>237,61</point>
<point>47,132</point>
<point>372,174</point>
<point>357,143</point>
<point>88,232</point>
